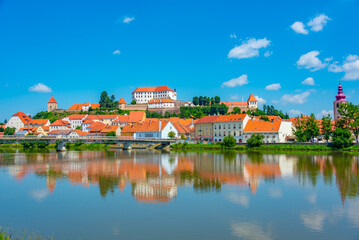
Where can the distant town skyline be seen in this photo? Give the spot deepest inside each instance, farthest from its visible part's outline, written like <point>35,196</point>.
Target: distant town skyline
<point>291,56</point>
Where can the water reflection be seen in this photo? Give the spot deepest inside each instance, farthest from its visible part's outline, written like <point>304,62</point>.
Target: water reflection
<point>155,176</point>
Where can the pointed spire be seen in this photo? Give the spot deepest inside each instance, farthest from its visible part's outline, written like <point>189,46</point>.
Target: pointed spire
<point>340,97</point>
<point>252,98</point>
<point>52,100</point>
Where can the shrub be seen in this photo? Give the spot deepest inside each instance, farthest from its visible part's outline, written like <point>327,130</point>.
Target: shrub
<point>111,134</point>
<point>229,141</point>
<point>342,138</point>
<point>256,140</point>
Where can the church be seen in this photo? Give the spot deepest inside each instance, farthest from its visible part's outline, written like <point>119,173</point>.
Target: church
<point>339,99</point>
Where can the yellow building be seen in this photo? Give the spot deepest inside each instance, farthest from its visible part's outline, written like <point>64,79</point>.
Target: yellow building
<point>203,128</point>
<point>43,130</point>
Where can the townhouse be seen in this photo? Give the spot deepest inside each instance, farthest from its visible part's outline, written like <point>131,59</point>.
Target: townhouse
<point>19,120</point>
<point>60,125</point>
<point>75,120</point>
<point>275,130</point>
<point>225,125</point>
<point>203,128</point>
<point>150,129</point>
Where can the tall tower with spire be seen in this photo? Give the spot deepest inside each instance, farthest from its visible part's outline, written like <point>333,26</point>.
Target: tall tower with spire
<point>51,104</point>
<point>340,98</point>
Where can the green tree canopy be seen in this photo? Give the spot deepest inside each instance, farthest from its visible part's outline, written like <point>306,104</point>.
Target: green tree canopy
<point>229,141</point>
<point>350,115</point>
<point>342,138</point>
<point>256,140</point>
<point>326,127</point>
<point>171,134</point>
<point>9,131</point>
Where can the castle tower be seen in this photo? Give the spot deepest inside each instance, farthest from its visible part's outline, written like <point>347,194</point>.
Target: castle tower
<point>51,104</point>
<point>122,104</point>
<point>340,98</point>
<point>252,102</point>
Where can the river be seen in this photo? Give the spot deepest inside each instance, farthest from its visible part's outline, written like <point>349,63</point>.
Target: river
<point>141,194</point>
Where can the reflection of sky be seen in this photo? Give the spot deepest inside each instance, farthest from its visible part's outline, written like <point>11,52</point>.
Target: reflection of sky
<point>282,207</point>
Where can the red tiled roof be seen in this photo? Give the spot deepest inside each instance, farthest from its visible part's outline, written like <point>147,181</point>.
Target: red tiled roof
<point>231,118</point>
<point>77,116</point>
<point>148,126</point>
<point>52,100</point>
<point>262,126</point>
<point>234,103</point>
<point>40,121</point>
<point>122,101</point>
<point>110,128</point>
<point>137,116</point>
<point>23,117</point>
<point>153,89</point>
<point>252,98</point>
<point>60,123</point>
<point>207,119</point>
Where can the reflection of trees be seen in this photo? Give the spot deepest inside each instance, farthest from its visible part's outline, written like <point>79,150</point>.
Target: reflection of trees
<point>200,184</point>
<point>255,157</point>
<point>307,169</point>
<point>107,183</point>
<point>343,166</point>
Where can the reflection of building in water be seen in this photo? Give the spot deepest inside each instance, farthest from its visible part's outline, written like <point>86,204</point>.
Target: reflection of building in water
<point>154,176</point>
<point>156,189</point>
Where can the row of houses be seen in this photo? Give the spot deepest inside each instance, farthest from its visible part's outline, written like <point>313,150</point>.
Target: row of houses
<point>242,127</point>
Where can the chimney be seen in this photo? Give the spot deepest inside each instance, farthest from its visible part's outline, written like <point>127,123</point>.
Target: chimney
<point>159,125</point>
<point>272,120</point>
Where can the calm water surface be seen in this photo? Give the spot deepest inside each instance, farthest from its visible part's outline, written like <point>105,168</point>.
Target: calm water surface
<point>158,195</point>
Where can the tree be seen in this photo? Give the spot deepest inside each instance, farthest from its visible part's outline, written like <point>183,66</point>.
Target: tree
<point>256,140</point>
<point>217,99</point>
<point>236,110</point>
<point>326,127</point>
<point>223,109</point>
<point>5,121</point>
<point>133,102</point>
<point>342,138</point>
<point>9,131</point>
<point>111,134</point>
<point>350,116</point>
<point>200,101</point>
<point>229,141</point>
<point>195,101</point>
<point>183,136</point>
<point>311,127</point>
<point>172,134</point>
<point>78,128</point>
<point>104,100</point>
<point>264,118</point>
<point>298,129</point>
<point>212,100</point>
<point>2,130</point>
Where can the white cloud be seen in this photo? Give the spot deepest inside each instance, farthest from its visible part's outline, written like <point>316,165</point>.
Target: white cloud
<point>239,81</point>
<point>268,53</point>
<point>325,113</point>
<point>312,199</point>
<point>233,35</point>
<point>117,52</point>
<point>39,195</point>
<point>311,61</point>
<point>350,67</point>
<point>128,19</point>
<point>249,48</point>
<point>318,22</point>
<point>40,87</point>
<point>299,27</point>
<point>273,87</point>
<point>250,231</point>
<point>296,98</point>
<point>240,199</point>
<point>314,220</point>
<point>295,113</point>
<point>309,81</point>
<point>234,97</point>
<point>260,100</point>
<point>275,193</point>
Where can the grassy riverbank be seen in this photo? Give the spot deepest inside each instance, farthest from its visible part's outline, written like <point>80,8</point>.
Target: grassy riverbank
<point>69,146</point>
<point>7,234</point>
<point>271,147</point>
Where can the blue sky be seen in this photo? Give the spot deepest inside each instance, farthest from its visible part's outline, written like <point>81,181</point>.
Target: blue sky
<point>226,48</point>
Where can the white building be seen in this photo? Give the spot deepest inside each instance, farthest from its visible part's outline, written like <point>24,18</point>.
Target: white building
<point>75,120</point>
<point>145,94</point>
<point>60,125</point>
<point>232,125</point>
<point>155,130</point>
<point>19,120</point>
<point>161,103</point>
<point>274,131</point>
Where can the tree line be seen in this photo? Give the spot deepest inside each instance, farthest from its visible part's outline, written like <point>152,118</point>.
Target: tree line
<point>205,101</point>
<point>307,128</point>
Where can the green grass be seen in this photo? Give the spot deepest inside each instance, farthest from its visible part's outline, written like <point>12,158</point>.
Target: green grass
<point>7,234</point>
<point>272,147</point>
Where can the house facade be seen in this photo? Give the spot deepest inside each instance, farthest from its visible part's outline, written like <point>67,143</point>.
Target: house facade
<point>60,125</point>
<point>233,125</point>
<point>145,94</point>
<point>250,104</point>
<point>203,128</point>
<point>19,120</point>
<point>161,103</point>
